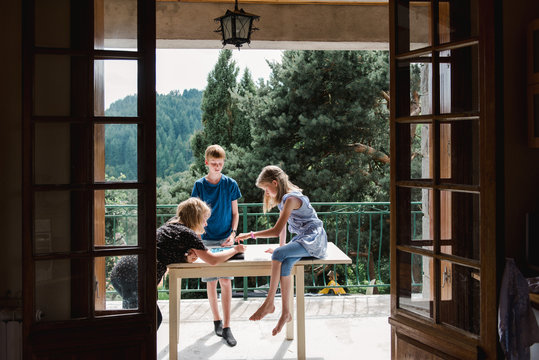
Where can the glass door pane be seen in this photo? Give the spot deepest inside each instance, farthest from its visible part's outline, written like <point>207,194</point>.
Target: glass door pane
<point>116,25</point>
<point>414,18</point>
<point>415,287</point>
<point>457,20</point>
<point>464,310</point>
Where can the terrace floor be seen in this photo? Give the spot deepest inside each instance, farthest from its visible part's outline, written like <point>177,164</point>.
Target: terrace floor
<point>337,327</point>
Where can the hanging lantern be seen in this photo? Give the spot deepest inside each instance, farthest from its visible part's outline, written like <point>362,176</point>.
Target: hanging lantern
<point>236,26</point>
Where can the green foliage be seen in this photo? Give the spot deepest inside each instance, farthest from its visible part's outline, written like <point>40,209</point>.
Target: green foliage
<point>121,216</point>
<point>316,104</point>
<point>246,91</point>
<point>224,123</point>
<point>217,111</point>
<point>178,116</point>
<point>121,151</point>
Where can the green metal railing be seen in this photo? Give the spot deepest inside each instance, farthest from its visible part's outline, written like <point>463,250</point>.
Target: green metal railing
<point>359,229</point>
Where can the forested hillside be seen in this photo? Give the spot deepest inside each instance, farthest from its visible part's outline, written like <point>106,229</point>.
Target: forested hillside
<point>178,117</point>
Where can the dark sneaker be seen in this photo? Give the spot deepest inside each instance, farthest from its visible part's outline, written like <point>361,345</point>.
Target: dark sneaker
<point>227,335</point>
<point>218,326</point>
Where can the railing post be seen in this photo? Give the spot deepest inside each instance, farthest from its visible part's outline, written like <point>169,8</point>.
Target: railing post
<point>245,278</point>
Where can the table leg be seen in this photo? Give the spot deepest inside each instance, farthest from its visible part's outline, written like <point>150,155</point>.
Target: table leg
<point>174,312</point>
<point>300,303</point>
<point>290,324</point>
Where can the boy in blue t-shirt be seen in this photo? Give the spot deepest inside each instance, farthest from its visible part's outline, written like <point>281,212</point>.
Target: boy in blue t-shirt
<point>221,193</point>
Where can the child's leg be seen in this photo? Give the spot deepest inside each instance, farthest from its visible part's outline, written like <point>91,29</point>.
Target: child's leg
<point>226,300</point>
<point>268,306</point>
<point>289,254</point>
<point>286,294</point>
<point>283,259</point>
<point>211,290</point>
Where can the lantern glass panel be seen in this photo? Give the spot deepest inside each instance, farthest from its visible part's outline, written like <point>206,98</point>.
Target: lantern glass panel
<point>227,27</point>
<point>242,26</point>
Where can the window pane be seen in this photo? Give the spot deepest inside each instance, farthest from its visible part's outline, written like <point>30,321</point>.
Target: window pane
<point>59,289</point>
<point>52,153</point>
<point>459,153</point>
<point>459,224</point>
<point>420,161</point>
<point>116,218</point>
<point>115,80</point>
<point>52,85</point>
<point>52,224</point>
<point>52,26</point>
<point>55,229</point>
<point>121,281</point>
<point>459,80</point>
<point>413,23</point>
<point>415,99</point>
<point>422,219</point>
<point>121,152</point>
<point>116,25</point>
<point>463,309</point>
<point>416,225</point>
<point>414,276</point>
<point>115,152</point>
<point>457,20</point>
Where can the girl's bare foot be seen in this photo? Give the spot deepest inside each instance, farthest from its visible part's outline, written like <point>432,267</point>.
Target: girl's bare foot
<point>262,311</point>
<point>285,317</point>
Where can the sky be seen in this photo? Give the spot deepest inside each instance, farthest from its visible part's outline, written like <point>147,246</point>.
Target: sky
<point>182,69</point>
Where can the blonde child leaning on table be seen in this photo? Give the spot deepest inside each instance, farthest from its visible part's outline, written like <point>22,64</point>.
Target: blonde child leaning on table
<point>310,239</point>
<point>179,239</point>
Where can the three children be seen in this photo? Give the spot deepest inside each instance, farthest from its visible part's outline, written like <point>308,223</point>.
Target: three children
<point>210,218</point>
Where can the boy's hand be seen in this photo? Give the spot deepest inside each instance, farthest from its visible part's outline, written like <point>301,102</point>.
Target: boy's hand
<point>229,241</point>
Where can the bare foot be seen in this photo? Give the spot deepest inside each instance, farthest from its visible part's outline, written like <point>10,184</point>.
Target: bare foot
<point>282,320</point>
<point>262,311</point>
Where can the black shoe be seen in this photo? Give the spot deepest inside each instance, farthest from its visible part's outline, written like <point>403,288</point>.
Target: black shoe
<point>218,326</point>
<point>227,335</point>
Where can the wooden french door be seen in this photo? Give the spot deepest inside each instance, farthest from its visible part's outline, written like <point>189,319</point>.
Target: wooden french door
<point>69,244</point>
<point>443,187</point>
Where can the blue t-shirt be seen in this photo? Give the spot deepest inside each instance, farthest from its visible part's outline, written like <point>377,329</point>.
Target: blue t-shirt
<point>219,197</point>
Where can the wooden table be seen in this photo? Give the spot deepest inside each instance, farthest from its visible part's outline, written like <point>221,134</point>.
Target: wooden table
<point>256,263</point>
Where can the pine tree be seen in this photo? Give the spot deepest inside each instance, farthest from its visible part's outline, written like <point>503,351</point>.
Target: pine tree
<point>315,105</point>
<point>218,112</point>
<point>244,94</point>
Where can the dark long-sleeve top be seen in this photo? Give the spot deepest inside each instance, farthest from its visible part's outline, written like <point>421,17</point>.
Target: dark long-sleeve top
<point>173,242</point>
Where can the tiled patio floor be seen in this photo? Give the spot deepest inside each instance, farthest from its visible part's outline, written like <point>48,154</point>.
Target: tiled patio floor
<point>337,327</point>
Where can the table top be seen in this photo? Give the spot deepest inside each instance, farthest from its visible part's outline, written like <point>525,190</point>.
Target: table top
<point>256,255</point>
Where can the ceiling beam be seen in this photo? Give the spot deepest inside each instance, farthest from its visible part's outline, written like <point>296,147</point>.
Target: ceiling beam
<point>297,24</point>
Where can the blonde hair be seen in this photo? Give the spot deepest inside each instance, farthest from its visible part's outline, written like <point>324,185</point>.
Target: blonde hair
<point>214,152</point>
<point>284,186</point>
<point>192,213</point>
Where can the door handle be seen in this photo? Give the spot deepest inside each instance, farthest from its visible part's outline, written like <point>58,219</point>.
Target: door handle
<point>446,279</point>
